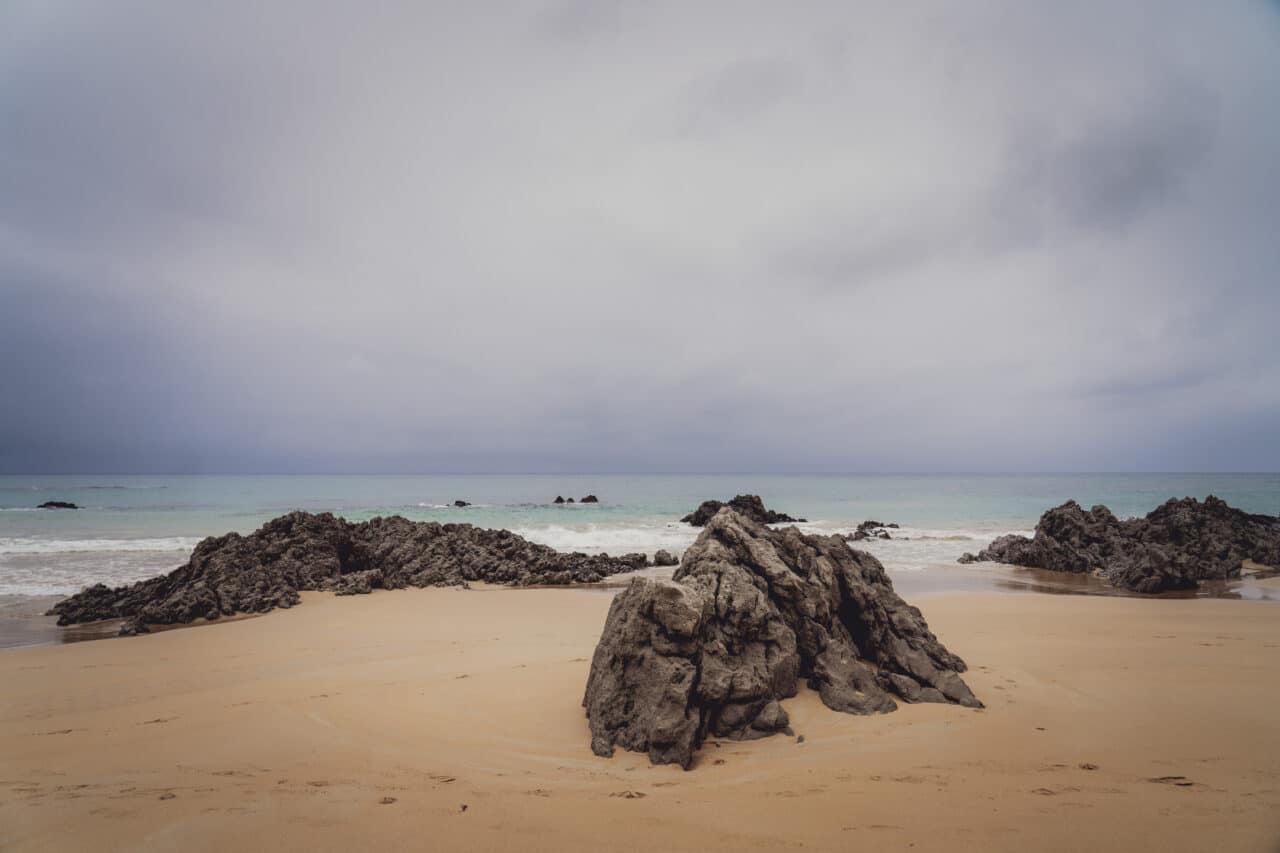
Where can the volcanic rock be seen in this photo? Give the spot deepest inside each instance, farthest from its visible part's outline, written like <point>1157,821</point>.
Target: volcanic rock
<point>750,613</point>
<point>303,551</point>
<point>1176,546</point>
<point>665,558</point>
<point>57,505</point>
<point>750,506</point>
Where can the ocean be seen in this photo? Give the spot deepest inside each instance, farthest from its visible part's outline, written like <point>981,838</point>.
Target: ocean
<point>133,527</point>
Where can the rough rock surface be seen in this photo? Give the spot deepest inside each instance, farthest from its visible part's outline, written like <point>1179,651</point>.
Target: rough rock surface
<point>303,551</point>
<point>664,557</point>
<point>57,505</point>
<point>1177,545</point>
<point>749,505</point>
<point>750,613</point>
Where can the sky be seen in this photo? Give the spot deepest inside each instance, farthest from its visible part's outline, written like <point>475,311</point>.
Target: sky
<point>595,236</point>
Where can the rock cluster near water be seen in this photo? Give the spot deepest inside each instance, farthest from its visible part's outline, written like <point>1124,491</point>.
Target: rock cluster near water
<point>750,506</point>
<point>664,557</point>
<point>750,613</point>
<point>1176,546</point>
<point>303,551</point>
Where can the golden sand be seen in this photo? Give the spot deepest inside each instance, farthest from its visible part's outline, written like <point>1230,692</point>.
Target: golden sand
<point>450,720</point>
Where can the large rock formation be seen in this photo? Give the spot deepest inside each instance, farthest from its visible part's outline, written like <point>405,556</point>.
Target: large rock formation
<point>750,506</point>
<point>1177,545</point>
<point>750,612</point>
<point>302,551</point>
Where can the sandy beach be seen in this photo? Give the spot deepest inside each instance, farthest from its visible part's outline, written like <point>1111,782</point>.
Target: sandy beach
<point>450,719</point>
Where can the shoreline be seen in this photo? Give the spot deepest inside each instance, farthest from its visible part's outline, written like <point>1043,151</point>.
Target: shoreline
<point>24,625</point>
<point>435,698</point>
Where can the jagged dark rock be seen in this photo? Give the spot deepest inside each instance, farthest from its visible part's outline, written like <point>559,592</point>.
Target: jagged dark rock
<point>870,530</point>
<point>635,560</point>
<point>57,505</point>
<point>750,613</point>
<point>303,551</point>
<point>590,499</point>
<point>559,499</point>
<point>461,503</point>
<point>750,506</point>
<point>1176,546</point>
<point>664,557</point>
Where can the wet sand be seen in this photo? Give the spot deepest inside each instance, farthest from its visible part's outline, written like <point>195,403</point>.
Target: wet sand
<point>370,722</point>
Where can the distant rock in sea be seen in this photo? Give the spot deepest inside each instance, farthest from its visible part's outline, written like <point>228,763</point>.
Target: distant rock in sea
<point>590,499</point>
<point>461,503</point>
<point>751,612</point>
<point>665,558</point>
<point>302,551</point>
<point>870,530</point>
<point>57,505</point>
<point>750,506</point>
<point>560,499</point>
<point>1176,546</point>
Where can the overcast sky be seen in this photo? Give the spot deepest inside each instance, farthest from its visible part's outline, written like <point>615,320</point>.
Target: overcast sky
<point>642,236</point>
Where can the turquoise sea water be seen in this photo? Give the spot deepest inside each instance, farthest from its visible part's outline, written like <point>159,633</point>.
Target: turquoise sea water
<point>133,527</point>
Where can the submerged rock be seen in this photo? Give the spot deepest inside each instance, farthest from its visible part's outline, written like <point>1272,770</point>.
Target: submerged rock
<point>750,613</point>
<point>1177,545</point>
<point>303,551</point>
<point>750,506</point>
<point>57,505</point>
<point>663,557</point>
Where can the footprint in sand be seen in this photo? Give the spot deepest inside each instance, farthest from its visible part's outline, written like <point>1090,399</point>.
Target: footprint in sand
<point>54,732</point>
<point>629,795</point>
<point>157,720</point>
<point>539,792</point>
<point>386,801</point>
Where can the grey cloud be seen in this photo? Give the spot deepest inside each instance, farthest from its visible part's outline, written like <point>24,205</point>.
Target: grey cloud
<point>710,236</point>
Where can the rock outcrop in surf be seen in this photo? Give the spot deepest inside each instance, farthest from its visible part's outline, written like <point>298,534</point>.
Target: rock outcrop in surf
<point>302,551</point>
<point>750,506</point>
<point>750,613</point>
<point>57,505</point>
<point>1176,546</point>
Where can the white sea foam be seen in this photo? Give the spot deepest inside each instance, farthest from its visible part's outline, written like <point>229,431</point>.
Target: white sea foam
<point>18,545</point>
<point>612,538</point>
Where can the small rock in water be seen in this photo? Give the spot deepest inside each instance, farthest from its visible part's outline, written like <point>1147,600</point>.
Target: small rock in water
<point>590,499</point>
<point>665,558</point>
<point>57,505</point>
<point>461,503</point>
